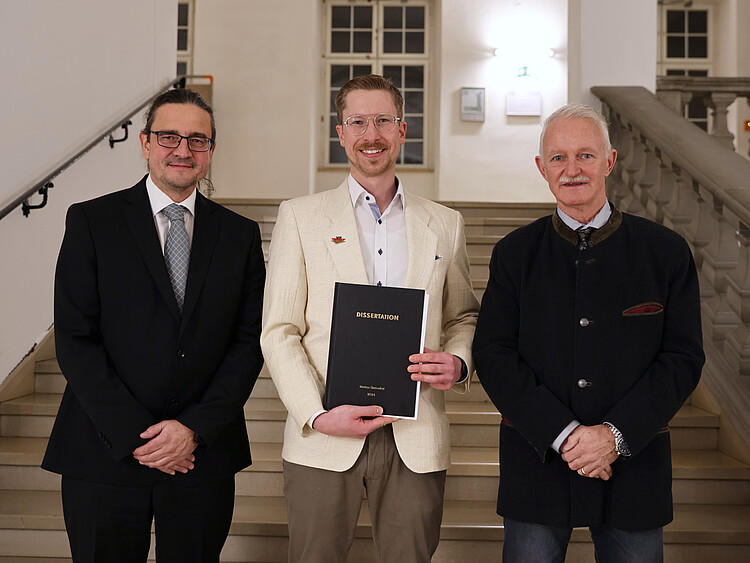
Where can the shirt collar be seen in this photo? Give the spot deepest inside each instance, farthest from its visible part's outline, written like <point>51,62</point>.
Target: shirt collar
<point>599,220</point>
<point>358,193</point>
<point>159,200</point>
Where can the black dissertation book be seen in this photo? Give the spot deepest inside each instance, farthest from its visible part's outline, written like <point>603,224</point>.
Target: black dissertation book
<point>374,330</point>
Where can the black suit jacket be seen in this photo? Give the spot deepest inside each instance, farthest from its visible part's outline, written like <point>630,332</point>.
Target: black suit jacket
<point>611,333</point>
<point>130,358</point>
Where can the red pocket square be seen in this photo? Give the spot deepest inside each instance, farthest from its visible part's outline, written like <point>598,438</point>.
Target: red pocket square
<point>643,309</point>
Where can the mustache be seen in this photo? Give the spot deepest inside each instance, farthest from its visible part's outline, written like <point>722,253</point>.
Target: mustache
<point>574,179</point>
<point>181,161</point>
<point>365,146</point>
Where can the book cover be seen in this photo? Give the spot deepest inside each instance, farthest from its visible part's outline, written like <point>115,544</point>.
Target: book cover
<point>374,330</point>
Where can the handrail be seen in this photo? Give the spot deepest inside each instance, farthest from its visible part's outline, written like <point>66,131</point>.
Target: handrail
<point>41,184</point>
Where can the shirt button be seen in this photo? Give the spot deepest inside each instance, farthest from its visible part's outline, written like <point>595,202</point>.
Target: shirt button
<point>380,221</point>
<point>173,402</point>
<point>582,383</point>
<point>180,354</point>
<point>367,197</point>
<point>584,322</point>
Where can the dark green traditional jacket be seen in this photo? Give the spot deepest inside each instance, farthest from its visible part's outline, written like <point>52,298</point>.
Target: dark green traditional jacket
<point>611,333</point>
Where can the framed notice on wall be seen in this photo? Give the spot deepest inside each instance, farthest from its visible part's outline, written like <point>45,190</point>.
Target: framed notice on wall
<point>472,104</point>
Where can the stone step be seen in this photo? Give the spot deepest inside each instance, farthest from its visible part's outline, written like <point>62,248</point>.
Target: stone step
<point>494,226</point>
<point>481,245</point>
<point>31,525</point>
<point>479,267</point>
<point>700,476</point>
<point>473,423</point>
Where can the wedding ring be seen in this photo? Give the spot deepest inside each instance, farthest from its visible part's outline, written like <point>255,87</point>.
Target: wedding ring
<point>582,471</point>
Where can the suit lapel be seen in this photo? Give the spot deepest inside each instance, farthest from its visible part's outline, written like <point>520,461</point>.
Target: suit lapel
<point>341,238</point>
<point>140,220</point>
<point>205,235</point>
<point>422,241</point>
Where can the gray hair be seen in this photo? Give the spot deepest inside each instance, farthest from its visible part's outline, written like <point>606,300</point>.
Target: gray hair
<point>576,111</point>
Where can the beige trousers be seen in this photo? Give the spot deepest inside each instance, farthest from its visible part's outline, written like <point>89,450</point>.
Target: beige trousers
<point>406,508</point>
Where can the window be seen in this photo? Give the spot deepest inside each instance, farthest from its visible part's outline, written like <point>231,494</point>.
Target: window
<point>185,12</point>
<point>383,37</point>
<point>687,34</point>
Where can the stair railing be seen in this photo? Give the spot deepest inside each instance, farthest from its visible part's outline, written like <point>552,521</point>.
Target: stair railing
<point>671,171</point>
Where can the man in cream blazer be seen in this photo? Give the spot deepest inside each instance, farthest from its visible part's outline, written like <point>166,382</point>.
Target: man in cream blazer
<point>368,230</point>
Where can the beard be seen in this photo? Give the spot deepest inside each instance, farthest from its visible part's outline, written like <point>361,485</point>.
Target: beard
<point>371,168</point>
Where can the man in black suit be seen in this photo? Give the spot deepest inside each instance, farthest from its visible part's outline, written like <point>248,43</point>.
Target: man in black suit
<point>588,342</point>
<point>157,325</point>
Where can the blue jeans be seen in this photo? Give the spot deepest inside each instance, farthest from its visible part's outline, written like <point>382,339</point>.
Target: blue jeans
<point>538,543</point>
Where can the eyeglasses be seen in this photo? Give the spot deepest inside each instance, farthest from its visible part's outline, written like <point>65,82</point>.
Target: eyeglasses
<point>384,122</point>
<point>170,140</point>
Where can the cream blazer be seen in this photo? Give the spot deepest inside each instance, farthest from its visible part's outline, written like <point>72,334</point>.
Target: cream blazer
<point>304,264</point>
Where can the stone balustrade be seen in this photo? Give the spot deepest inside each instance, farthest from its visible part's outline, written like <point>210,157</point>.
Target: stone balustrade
<point>718,93</point>
<point>676,174</point>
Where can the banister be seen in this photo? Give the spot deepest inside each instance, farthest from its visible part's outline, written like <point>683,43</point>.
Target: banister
<point>46,177</point>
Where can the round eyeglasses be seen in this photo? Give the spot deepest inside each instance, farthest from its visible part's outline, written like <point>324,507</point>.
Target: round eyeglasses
<point>384,122</point>
<point>170,140</point>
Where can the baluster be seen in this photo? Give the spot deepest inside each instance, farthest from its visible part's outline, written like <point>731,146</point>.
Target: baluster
<point>617,189</point>
<point>719,102</point>
<point>720,257</point>
<point>661,192</point>
<point>698,231</point>
<point>632,166</point>
<point>737,343</point>
<point>646,178</point>
<point>681,208</point>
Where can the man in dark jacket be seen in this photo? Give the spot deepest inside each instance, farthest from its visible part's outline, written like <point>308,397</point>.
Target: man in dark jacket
<point>588,342</point>
<point>158,300</point>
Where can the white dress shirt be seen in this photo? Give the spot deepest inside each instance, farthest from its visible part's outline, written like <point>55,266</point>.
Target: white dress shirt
<point>382,237</point>
<point>159,200</point>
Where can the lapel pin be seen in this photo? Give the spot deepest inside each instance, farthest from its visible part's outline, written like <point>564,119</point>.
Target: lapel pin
<point>438,257</point>
<point>338,239</point>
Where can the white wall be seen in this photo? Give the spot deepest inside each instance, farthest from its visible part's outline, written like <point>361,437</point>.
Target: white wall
<point>613,43</point>
<point>494,160</point>
<point>264,57</point>
<point>69,69</point>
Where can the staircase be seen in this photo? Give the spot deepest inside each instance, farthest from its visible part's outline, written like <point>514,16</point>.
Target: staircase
<point>711,489</point>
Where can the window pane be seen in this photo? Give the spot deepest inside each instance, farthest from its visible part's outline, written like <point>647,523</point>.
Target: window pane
<point>182,39</point>
<point>413,153</point>
<point>392,17</point>
<point>413,102</point>
<point>697,109</point>
<point>414,77</point>
<point>363,16</point>
<point>332,107</point>
<point>675,21</point>
<point>415,41</point>
<point>392,42</point>
<point>182,14</point>
<point>697,47</point>
<point>414,127</point>
<point>181,68</point>
<point>339,75</point>
<point>702,124</point>
<point>333,134</point>
<point>676,47</point>
<point>340,16</point>
<point>339,41</point>
<point>675,72</point>
<point>394,74</point>
<point>698,21</point>
<point>415,18</point>
<point>337,153</point>
<point>697,73</point>
<point>362,41</point>
<point>359,70</point>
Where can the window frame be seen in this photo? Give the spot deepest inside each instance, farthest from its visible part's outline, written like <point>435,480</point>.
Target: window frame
<point>686,62</point>
<point>377,59</point>
<point>186,56</point>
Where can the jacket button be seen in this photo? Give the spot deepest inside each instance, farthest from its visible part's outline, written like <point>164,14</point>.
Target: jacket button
<point>173,402</point>
<point>582,383</point>
<point>584,322</point>
<point>180,354</point>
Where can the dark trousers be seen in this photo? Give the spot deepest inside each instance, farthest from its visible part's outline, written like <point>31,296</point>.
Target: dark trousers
<point>536,543</point>
<point>112,524</point>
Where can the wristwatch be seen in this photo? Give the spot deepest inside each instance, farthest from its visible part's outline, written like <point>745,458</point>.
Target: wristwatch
<point>621,446</point>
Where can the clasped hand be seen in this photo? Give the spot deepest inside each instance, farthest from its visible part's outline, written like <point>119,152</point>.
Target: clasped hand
<point>441,370</point>
<point>169,448</point>
<point>590,451</point>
